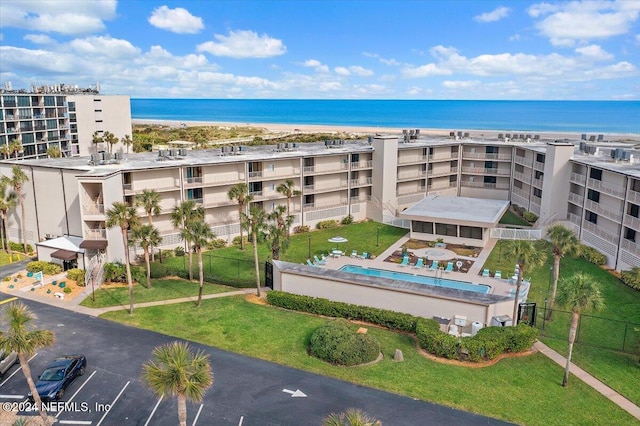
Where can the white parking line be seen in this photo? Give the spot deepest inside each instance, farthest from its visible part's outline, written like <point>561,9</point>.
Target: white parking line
<point>11,396</point>
<point>74,422</point>
<point>241,418</point>
<point>18,369</point>
<point>79,389</point>
<point>195,419</point>
<point>112,404</point>
<point>154,411</point>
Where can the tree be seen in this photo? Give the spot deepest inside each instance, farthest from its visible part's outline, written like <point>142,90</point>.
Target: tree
<point>526,254</point>
<point>240,194</point>
<point>579,293</point>
<point>288,190</point>
<point>54,152</point>
<point>97,139</point>
<point>277,231</point>
<point>254,223</point>
<point>110,139</point>
<point>147,236</point>
<point>149,200</point>
<point>177,371</point>
<point>8,201</point>
<point>563,242</point>
<point>125,217</point>
<point>21,339</point>
<point>199,233</point>
<point>127,141</point>
<point>351,417</point>
<point>5,150</point>
<point>17,181</point>
<point>15,147</point>
<point>182,214</point>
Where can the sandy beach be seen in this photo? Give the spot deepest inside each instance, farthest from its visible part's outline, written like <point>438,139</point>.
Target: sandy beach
<point>365,131</point>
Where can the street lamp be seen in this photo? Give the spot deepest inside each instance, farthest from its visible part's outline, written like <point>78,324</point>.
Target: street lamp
<point>309,247</point>
<point>550,278</point>
<point>544,317</point>
<point>378,236</point>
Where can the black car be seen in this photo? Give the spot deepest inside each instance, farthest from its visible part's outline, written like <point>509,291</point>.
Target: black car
<point>55,379</point>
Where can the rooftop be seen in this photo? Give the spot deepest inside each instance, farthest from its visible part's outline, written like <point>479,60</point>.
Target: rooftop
<point>446,209</point>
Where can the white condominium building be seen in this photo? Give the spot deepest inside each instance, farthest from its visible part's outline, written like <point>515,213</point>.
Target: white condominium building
<point>560,181</point>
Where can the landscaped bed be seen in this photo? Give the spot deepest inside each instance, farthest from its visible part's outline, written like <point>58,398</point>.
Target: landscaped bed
<point>53,285</point>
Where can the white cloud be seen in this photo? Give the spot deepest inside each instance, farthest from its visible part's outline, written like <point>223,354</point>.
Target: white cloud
<point>105,47</point>
<point>342,71</point>
<point>566,23</point>
<point>317,65</point>
<point>57,16</point>
<point>362,72</point>
<point>515,37</point>
<point>612,71</point>
<point>177,20</point>
<point>390,62</point>
<point>594,52</point>
<point>496,14</point>
<point>461,84</point>
<point>427,70</point>
<point>39,38</point>
<point>243,44</point>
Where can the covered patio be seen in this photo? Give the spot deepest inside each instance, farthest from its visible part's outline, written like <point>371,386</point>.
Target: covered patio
<point>65,251</point>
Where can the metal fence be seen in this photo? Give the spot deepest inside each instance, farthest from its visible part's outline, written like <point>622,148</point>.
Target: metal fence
<point>594,331</point>
<point>217,269</point>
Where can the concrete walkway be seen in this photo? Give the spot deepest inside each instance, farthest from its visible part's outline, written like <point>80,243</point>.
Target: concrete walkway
<point>579,373</point>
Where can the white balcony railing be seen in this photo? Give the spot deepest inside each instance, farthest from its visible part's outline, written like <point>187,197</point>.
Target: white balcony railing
<point>93,209</point>
<point>486,185</point>
<point>522,177</point>
<point>593,228</point>
<point>484,155</point>
<point>95,234</point>
<point>597,208</point>
<point>606,188</point>
<point>633,196</point>
<point>578,178</point>
<point>362,164</point>
<point>576,198</point>
<point>412,159</point>
<point>631,221</point>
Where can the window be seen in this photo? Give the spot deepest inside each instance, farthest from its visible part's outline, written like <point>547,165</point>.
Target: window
<point>355,192</point>
<point>595,174</point>
<point>255,187</point>
<point>489,165</point>
<point>633,210</point>
<point>308,162</point>
<point>629,234</point>
<point>519,168</point>
<point>520,152</point>
<point>446,229</point>
<point>540,158</point>
<point>308,199</point>
<point>471,232</point>
<point>517,184</point>
<point>355,158</point>
<point>490,179</point>
<point>492,150</point>
<point>195,194</point>
<point>24,101</point>
<point>635,185</point>
<point>538,174</point>
<point>308,180</point>
<point>49,101</point>
<point>537,192</point>
<point>423,227</point>
<point>591,217</point>
<point>593,195</point>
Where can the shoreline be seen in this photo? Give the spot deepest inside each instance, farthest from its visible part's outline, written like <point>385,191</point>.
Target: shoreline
<point>371,130</point>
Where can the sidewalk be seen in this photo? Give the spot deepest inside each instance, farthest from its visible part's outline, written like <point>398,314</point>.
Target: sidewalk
<point>579,373</point>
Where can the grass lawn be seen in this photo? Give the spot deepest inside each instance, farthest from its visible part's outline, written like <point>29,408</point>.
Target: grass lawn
<point>510,218</point>
<point>160,290</point>
<point>619,370</point>
<point>524,390</point>
<point>4,257</point>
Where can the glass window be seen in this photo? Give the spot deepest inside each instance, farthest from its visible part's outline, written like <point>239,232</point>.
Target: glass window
<point>423,227</point>
<point>540,158</point>
<point>471,232</point>
<point>630,234</point>
<point>520,152</point>
<point>537,192</point>
<point>446,229</point>
<point>633,210</point>
<point>595,174</point>
<point>24,101</point>
<point>591,217</point>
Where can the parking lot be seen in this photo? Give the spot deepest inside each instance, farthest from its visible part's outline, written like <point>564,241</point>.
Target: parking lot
<point>246,391</point>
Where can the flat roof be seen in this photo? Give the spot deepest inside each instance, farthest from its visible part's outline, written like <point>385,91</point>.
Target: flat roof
<point>453,210</point>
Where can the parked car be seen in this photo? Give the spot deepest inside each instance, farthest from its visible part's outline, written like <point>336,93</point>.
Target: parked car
<point>55,379</point>
<point>6,361</point>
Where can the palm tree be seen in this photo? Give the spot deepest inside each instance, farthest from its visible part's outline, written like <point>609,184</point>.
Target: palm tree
<point>17,181</point>
<point>199,233</point>
<point>254,223</point>
<point>54,152</point>
<point>5,150</point>
<point>182,214</point>
<point>278,231</point>
<point>96,140</point>
<point>149,200</point>
<point>563,242</point>
<point>287,189</point>
<point>110,139</point>
<point>8,201</point>
<point>25,342</point>
<point>240,194</point>
<point>351,417</point>
<point>580,293</point>
<point>526,254</point>
<point>177,371</point>
<point>15,147</point>
<point>127,141</point>
<point>124,216</point>
<point>147,236</point>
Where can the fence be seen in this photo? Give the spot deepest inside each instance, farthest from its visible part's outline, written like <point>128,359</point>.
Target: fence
<point>592,331</point>
<point>217,269</point>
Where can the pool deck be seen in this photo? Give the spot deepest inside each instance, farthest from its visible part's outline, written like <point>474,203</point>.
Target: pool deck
<point>499,287</point>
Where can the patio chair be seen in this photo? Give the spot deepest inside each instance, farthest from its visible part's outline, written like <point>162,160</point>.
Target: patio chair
<point>434,265</point>
<point>365,255</point>
<point>419,264</point>
<point>354,253</point>
<point>405,261</point>
<point>498,275</point>
<point>310,263</point>
<point>449,267</point>
<point>324,258</point>
<point>486,273</point>
<point>318,261</point>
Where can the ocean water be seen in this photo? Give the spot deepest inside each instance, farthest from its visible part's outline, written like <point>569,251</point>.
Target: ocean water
<point>540,116</point>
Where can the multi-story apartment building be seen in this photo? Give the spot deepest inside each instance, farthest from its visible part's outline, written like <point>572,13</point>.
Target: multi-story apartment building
<point>61,116</point>
<point>377,178</point>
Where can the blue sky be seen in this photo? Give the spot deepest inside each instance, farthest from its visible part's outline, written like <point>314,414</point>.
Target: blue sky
<point>327,49</point>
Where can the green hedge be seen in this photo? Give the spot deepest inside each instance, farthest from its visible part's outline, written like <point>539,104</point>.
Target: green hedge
<point>592,255</point>
<point>390,319</point>
<point>631,278</point>
<point>77,275</point>
<point>529,217</point>
<point>338,343</point>
<point>327,224</point>
<point>47,268</point>
<point>115,272</point>
<point>18,247</point>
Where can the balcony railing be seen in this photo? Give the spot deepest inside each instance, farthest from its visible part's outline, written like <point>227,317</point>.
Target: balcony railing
<point>413,191</point>
<point>93,209</point>
<point>360,199</point>
<point>630,246</point>
<point>443,172</point>
<point>95,234</point>
<point>412,174</point>
<point>597,208</point>
<point>443,157</point>
<point>254,175</point>
<point>281,172</point>
<point>633,196</point>
<point>537,165</point>
<point>361,164</point>
<point>524,161</point>
<point>488,156</point>
<point>521,192</point>
<point>522,177</point>
<point>444,185</point>
<point>360,182</point>
<point>333,186</point>
<point>326,168</point>
<point>576,198</point>
<point>537,183</point>
<point>324,206</point>
<point>194,180</point>
<point>578,178</point>
<point>486,185</point>
<point>574,218</point>
<point>632,221</point>
<point>484,171</point>
<point>412,159</point>
<point>606,188</point>
<point>593,228</point>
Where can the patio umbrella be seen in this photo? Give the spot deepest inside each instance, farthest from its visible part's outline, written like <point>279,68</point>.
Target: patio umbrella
<point>337,240</point>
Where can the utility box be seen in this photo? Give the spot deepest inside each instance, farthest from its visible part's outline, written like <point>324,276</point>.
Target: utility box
<point>501,321</point>
<point>459,320</point>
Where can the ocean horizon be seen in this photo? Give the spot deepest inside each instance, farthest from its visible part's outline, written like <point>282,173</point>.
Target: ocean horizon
<point>493,115</point>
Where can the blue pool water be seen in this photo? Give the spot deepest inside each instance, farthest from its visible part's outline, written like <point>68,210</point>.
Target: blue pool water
<point>402,276</point>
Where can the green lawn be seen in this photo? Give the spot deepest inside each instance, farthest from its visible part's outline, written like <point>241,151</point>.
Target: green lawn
<point>160,290</point>
<point>619,370</point>
<point>510,218</point>
<point>523,390</point>
<point>4,257</point>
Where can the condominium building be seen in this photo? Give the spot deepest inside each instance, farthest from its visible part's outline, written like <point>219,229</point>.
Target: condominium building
<point>62,117</point>
<point>378,178</point>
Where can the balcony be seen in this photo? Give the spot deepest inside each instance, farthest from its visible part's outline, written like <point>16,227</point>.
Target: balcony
<point>360,182</point>
<point>537,183</point>
<point>578,178</point>
<point>633,196</point>
<point>631,221</point>
<point>483,171</point>
<point>522,177</point>
<point>443,157</point>
<point>218,201</point>
<point>412,159</point>
<point>606,188</point>
<point>360,199</point>
<point>323,206</point>
<point>193,181</point>
<point>93,209</point>
<point>412,174</point>
<point>255,175</point>
<point>574,218</point>
<point>576,199</point>
<point>537,165</point>
<point>281,172</point>
<point>524,161</point>
<point>444,185</point>
<point>443,172</point>
<point>326,168</point>
<point>597,208</point>
<point>361,165</point>
<point>521,192</point>
<point>630,246</point>
<point>485,185</point>
<point>485,156</point>
<point>95,234</point>
<point>593,228</point>
<point>324,187</point>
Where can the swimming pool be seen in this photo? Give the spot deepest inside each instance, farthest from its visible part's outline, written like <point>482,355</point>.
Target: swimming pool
<point>402,276</point>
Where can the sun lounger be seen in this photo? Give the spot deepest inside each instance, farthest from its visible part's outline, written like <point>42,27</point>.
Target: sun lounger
<point>318,261</point>
<point>434,265</point>
<point>485,273</point>
<point>310,263</point>
<point>405,261</point>
<point>449,267</point>
<point>497,275</point>
<point>365,255</point>
<point>354,253</point>
<point>419,263</point>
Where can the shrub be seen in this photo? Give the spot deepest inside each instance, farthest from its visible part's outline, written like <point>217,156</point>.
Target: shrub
<point>67,290</point>
<point>236,240</point>
<point>179,251</point>
<point>301,229</point>
<point>76,275</point>
<point>218,243</point>
<point>19,247</point>
<point>47,268</point>
<point>115,272</point>
<point>631,278</point>
<point>530,217</point>
<point>347,220</point>
<point>139,274</point>
<point>165,254</point>
<point>158,270</point>
<point>522,338</point>
<point>336,342</point>
<point>592,255</point>
<point>6,279</point>
<point>435,341</point>
<point>327,224</point>
<point>36,266</point>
